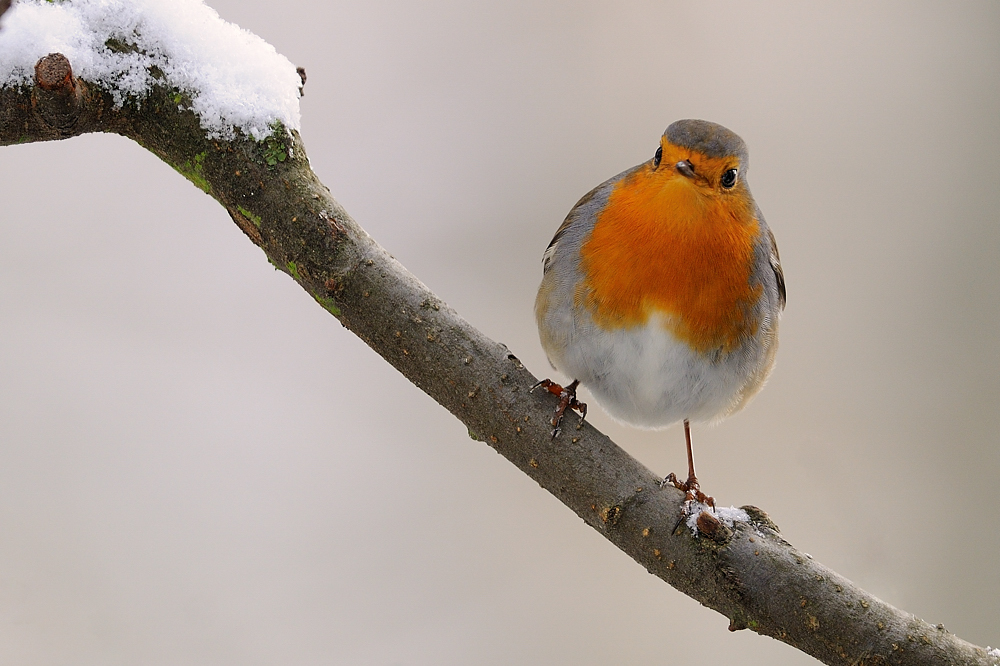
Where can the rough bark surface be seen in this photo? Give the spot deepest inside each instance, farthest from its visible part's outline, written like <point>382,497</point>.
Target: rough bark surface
<point>748,573</point>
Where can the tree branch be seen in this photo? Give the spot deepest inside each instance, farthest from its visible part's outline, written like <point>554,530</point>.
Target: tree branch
<point>747,572</point>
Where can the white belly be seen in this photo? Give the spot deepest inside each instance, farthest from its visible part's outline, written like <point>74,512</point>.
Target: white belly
<point>645,377</point>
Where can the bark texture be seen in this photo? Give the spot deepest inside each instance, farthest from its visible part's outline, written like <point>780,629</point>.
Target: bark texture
<point>748,573</point>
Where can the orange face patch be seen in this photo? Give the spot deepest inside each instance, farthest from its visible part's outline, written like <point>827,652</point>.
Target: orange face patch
<point>678,246</point>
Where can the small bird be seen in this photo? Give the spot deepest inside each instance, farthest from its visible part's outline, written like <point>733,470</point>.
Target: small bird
<point>662,289</point>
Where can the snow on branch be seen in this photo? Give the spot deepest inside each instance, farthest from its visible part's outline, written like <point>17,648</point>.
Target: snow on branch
<point>232,78</point>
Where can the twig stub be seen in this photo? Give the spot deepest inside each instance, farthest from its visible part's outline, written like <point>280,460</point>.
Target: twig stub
<point>53,72</point>
<point>57,95</point>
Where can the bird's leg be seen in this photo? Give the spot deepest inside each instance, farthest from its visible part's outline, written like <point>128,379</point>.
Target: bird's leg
<point>691,487</point>
<point>567,400</point>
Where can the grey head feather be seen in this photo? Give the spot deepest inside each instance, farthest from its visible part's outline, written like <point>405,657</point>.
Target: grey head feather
<point>708,138</point>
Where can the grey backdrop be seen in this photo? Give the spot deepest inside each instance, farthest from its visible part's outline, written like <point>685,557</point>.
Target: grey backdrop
<point>198,465</point>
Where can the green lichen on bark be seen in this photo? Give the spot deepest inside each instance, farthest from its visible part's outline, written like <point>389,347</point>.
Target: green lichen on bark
<point>194,170</point>
<point>250,216</point>
<point>328,304</point>
<point>274,148</point>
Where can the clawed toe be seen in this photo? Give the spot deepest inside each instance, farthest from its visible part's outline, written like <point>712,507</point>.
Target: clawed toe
<point>567,400</point>
<point>691,488</point>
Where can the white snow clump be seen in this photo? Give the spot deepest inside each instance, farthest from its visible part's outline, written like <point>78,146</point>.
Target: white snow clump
<point>726,516</point>
<point>234,78</point>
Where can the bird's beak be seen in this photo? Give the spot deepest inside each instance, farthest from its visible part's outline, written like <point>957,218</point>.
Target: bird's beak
<point>685,168</point>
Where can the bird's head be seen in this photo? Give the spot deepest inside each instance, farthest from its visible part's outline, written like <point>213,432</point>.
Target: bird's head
<point>700,165</point>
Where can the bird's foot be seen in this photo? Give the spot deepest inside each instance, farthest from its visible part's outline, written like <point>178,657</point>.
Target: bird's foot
<point>567,400</point>
<point>692,491</point>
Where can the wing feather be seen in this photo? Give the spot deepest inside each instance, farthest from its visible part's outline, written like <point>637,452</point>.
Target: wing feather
<point>779,275</point>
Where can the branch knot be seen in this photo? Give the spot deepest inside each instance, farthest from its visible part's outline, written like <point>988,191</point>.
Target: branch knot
<point>57,96</point>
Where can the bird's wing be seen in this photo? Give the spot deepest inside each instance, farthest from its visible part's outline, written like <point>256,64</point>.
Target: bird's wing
<point>779,275</point>
<point>567,223</point>
<point>551,249</point>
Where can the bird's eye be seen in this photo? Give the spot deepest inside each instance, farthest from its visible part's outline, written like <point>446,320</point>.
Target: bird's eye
<point>729,179</point>
<point>657,157</point>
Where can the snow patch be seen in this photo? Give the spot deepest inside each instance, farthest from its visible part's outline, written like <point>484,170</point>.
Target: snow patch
<point>993,652</point>
<point>727,516</point>
<point>234,78</point>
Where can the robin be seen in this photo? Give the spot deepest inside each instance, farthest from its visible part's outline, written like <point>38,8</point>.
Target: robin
<point>662,290</point>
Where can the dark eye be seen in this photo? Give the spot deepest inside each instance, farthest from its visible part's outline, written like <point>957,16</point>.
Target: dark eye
<point>729,179</point>
<point>657,157</point>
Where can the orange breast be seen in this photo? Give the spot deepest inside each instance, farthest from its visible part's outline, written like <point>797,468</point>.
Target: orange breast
<point>666,245</point>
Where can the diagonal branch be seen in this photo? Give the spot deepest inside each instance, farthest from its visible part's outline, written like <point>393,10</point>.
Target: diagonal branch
<point>744,570</point>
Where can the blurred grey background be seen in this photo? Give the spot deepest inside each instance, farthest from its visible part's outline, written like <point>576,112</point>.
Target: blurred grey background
<point>198,465</point>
